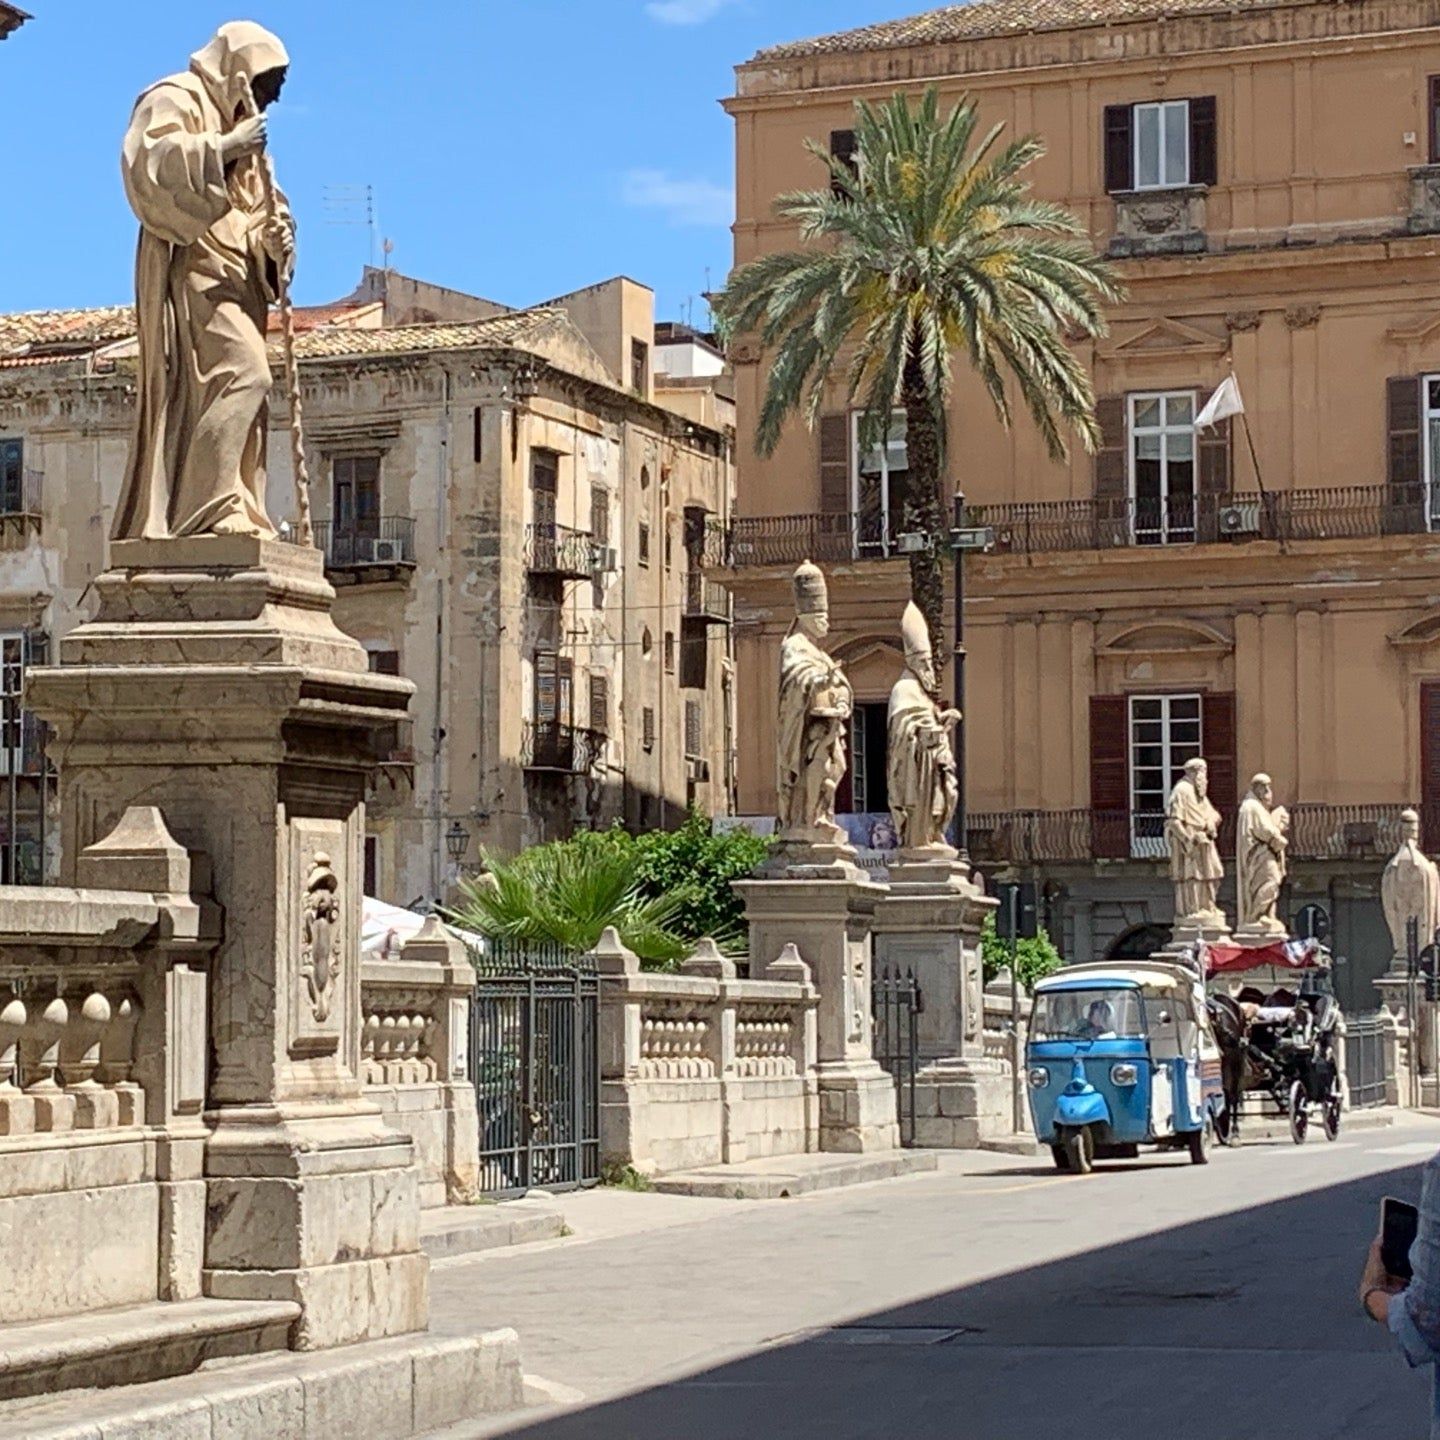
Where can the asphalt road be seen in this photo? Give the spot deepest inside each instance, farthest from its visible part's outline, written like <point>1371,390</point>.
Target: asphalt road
<point>994,1300</point>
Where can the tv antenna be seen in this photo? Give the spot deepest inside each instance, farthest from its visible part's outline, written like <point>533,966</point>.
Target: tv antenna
<point>353,205</point>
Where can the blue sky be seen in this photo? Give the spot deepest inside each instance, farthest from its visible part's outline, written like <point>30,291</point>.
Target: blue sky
<point>516,148</point>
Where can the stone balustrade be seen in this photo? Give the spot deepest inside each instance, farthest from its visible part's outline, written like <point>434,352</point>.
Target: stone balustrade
<point>700,1067</point>
<point>414,1044</point>
<point>67,1054</point>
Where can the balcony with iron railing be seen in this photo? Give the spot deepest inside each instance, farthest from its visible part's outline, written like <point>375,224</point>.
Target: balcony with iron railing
<point>1342,512</point>
<point>552,747</point>
<point>1057,837</point>
<point>382,544</point>
<point>21,502</point>
<point>552,549</point>
<point>706,599</point>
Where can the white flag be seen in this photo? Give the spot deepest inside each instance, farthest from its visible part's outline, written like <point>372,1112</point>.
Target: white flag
<point>1223,403</point>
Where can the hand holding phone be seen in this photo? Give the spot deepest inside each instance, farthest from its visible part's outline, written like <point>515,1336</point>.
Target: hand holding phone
<point>1399,1224</point>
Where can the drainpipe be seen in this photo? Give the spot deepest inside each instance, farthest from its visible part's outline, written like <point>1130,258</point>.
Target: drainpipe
<point>439,764</point>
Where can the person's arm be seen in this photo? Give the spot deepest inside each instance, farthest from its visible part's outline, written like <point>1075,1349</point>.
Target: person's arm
<point>1412,1312</point>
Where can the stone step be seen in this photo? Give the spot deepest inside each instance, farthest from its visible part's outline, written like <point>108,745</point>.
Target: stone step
<point>468,1229</point>
<point>785,1176</point>
<point>136,1343</point>
<point>381,1390</point>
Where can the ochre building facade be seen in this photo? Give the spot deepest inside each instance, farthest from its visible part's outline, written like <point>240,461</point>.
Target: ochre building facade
<point>1266,178</point>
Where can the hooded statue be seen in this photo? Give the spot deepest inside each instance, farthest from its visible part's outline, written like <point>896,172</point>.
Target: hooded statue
<point>921,771</point>
<point>815,707</point>
<point>209,264</point>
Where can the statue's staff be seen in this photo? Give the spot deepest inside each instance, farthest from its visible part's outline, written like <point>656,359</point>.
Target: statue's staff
<point>287,345</point>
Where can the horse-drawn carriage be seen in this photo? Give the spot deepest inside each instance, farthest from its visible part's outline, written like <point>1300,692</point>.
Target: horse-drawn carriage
<point>1275,1021</point>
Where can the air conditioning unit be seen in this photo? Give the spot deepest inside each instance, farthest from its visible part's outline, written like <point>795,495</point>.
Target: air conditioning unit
<point>386,552</point>
<point>607,560</point>
<point>697,770</point>
<point>1240,519</point>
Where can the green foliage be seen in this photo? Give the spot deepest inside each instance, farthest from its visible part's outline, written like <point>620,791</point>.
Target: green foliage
<point>1034,959</point>
<point>625,1177</point>
<point>662,891</point>
<point>568,891</point>
<point>697,867</point>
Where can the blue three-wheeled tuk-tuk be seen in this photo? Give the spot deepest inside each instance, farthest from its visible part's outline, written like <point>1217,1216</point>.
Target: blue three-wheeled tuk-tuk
<point>1119,1056</point>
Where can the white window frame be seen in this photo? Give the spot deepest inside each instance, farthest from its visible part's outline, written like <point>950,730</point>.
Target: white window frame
<point>1183,534</point>
<point>1430,463</point>
<point>1164,180</point>
<point>1147,847</point>
<point>882,543</point>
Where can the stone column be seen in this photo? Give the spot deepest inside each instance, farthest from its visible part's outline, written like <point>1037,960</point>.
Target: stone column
<point>214,684</point>
<point>827,915</point>
<point>929,925</point>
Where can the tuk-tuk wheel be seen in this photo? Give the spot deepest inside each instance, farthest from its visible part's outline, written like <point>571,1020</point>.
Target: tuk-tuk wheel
<point>1080,1150</point>
<point>1199,1141</point>
<point>1299,1114</point>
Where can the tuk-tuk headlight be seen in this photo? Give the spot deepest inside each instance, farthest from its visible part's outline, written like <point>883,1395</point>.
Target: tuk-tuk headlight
<point>1039,1078</point>
<point>1124,1074</point>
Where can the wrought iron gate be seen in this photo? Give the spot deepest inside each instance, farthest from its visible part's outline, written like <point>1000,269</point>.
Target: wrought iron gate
<point>895,1004</point>
<point>535,1064</point>
<point>1365,1060</point>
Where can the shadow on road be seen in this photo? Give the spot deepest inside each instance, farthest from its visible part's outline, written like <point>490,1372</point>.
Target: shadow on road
<point>1240,1327</point>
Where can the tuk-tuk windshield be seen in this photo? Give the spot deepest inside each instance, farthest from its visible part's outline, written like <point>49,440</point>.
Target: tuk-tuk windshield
<point>1099,1014</point>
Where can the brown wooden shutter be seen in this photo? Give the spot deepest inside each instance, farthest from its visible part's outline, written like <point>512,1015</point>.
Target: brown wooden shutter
<point>1112,485</point>
<point>1203,141</point>
<point>1404,503</point>
<point>1119,145</point>
<point>600,703</point>
<point>1110,776</point>
<point>1217,741</point>
<point>1433,119</point>
<point>1430,763</point>
<point>1213,477</point>
<point>834,464</point>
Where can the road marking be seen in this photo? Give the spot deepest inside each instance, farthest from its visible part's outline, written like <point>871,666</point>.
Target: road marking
<point>1411,1147</point>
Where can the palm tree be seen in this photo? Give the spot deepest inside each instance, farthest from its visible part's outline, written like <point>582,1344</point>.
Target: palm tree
<point>931,244</point>
<point>567,892</point>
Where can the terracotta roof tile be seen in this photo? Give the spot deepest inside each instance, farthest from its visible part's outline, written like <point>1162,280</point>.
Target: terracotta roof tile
<point>997,17</point>
<point>36,332</point>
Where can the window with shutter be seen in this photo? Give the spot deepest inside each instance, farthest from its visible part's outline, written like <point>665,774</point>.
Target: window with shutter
<point>600,703</point>
<point>642,547</point>
<point>1218,716</point>
<point>356,496</point>
<point>1112,486</point>
<point>1430,763</point>
<point>1162,144</point>
<point>1165,734</point>
<point>844,149</point>
<point>694,730</point>
<point>12,477</point>
<point>1404,469</point>
<point>1433,118</point>
<point>1109,776</point>
<point>1216,479</point>
<point>600,514</point>
<point>694,658</point>
<point>546,700</point>
<point>384,662</point>
<point>1119,148</point>
<point>1162,466</point>
<point>647,727</point>
<point>834,464</point>
<point>669,652</point>
<point>478,441</point>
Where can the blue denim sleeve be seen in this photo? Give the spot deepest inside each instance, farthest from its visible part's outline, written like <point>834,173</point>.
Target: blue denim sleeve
<point>1415,1313</point>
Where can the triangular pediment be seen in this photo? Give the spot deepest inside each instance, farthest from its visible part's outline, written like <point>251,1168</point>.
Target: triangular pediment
<point>1167,637</point>
<point>872,663</point>
<point>1164,337</point>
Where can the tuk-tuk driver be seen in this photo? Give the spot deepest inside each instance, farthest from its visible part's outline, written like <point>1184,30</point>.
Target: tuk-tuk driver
<point>1099,1021</point>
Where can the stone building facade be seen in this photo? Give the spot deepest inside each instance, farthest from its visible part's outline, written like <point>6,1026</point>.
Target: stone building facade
<point>1265,176</point>
<point>508,521</point>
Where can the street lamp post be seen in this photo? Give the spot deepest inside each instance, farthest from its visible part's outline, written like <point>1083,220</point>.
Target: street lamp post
<point>457,842</point>
<point>963,538</point>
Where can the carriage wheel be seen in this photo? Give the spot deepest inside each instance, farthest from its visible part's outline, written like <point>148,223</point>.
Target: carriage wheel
<point>1330,1113</point>
<point>1199,1141</point>
<point>1080,1150</point>
<point>1299,1114</point>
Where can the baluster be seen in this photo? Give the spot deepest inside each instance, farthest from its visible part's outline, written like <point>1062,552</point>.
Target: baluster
<point>40,1051</point>
<point>369,1040</point>
<point>385,1049</point>
<point>95,1107</point>
<point>17,1110</point>
<point>117,1057</point>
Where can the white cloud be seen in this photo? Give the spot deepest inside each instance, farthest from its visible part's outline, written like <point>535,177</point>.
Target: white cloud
<point>684,202</point>
<point>685,12</point>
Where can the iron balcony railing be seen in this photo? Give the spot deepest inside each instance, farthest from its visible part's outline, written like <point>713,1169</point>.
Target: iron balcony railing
<point>1342,512</point>
<point>552,549</point>
<point>21,496</point>
<point>548,745</point>
<point>705,599</point>
<point>386,540</point>
<point>1024,837</point>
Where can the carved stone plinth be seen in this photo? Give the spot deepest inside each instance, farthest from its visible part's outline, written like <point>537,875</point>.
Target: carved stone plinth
<point>214,685</point>
<point>1213,929</point>
<point>828,920</point>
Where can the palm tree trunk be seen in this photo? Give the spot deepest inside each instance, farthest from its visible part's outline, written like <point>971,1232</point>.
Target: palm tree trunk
<point>925,503</point>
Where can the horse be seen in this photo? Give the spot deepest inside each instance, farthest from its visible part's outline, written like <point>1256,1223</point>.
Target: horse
<point>1228,1022</point>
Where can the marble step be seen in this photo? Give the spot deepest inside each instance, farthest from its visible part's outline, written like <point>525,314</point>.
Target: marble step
<point>134,1343</point>
<point>456,1230</point>
<point>410,1385</point>
<point>782,1177</point>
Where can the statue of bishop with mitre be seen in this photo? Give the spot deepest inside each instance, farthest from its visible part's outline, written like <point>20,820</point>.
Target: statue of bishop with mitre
<point>921,772</point>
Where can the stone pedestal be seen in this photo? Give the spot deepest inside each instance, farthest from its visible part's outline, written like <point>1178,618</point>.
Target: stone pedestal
<point>828,917</point>
<point>929,926</point>
<point>1422,1031</point>
<point>214,685</point>
<point>1187,930</point>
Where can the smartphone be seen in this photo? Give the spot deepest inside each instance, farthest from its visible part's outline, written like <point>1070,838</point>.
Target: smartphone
<point>1399,1223</point>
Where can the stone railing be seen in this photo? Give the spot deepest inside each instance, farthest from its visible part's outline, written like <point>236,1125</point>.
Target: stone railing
<point>414,1040</point>
<point>702,1068</point>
